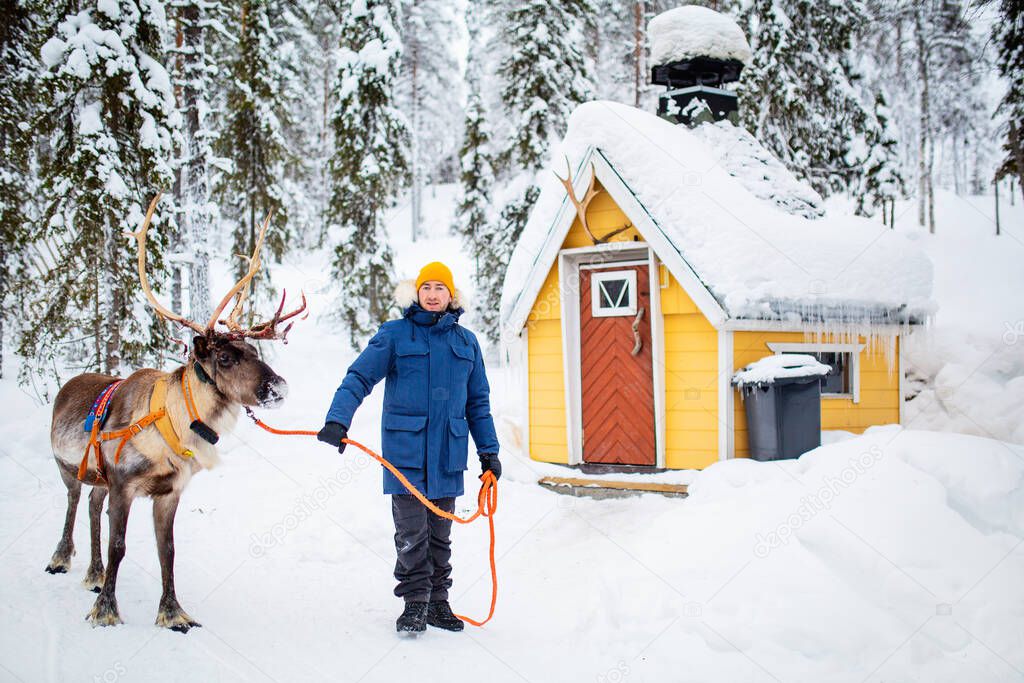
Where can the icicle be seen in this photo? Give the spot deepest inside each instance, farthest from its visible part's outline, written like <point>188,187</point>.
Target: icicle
<point>848,323</point>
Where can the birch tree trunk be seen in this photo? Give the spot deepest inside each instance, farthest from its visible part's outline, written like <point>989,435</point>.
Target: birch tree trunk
<point>196,191</point>
<point>1018,154</point>
<point>3,295</point>
<point>111,295</point>
<point>931,184</point>
<point>416,172</point>
<point>924,125</point>
<point>639,73</point>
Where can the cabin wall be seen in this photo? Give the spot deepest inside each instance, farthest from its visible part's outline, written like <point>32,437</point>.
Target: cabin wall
<point>879,386</point>
<point>546,378</point>
<point>691,380</point>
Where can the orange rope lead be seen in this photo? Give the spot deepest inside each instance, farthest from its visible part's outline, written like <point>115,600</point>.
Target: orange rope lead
<point>487,501</point>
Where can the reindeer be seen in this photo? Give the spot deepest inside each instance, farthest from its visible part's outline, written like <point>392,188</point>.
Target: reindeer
<point>167,424</point>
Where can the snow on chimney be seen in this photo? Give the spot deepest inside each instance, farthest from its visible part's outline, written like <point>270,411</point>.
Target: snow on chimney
<point>696,51</point>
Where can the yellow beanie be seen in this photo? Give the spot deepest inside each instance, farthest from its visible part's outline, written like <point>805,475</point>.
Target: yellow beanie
<point>435,270</point>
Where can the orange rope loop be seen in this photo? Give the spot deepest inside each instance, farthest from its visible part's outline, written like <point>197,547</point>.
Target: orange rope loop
<point>487,501</point>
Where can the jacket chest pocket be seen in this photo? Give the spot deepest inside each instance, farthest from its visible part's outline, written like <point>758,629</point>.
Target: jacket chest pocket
<point>404,439</point>
<point>462,363</point>
<point>412,365</point>
<point>458,445</point>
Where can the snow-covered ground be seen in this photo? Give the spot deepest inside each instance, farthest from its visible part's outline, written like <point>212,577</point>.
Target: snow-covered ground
<point>972,357</point>
<point>892,556</point>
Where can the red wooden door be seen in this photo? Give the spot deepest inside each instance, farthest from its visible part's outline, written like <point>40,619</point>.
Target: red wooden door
<point>616,365</point>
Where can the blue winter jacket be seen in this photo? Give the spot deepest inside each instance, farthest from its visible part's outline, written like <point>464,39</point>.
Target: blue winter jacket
<point>435,395</point>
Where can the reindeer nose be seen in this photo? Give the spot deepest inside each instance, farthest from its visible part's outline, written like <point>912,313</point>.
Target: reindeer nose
<point>272,392</point>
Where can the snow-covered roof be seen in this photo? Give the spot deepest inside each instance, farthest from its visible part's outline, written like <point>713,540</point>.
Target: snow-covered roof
<point>764,176</point>
<point>739,237</point>
<point>694,31</point>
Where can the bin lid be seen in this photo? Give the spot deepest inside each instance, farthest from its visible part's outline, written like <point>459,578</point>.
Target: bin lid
<point>780,366</point>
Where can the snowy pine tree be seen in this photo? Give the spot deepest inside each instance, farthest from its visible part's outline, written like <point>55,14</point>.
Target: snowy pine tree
<point>882,181</point>
<point>1009,38</point>
<point>18,65</point>
<point>194,70</point>
<point>252,140</point>
<point>797,93</point>
<point>428,92</point>
<point>473,214</point>
<point>369,163</point>
<point>307,33</point>
<point>620,46</point>
<point>476,178</point>
<point>927,53</point>
<point>110,122</point>
<point>543,78</point>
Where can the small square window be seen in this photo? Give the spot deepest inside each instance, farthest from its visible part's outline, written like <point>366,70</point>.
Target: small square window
<point>613,293</point>
<point>844,360</point>
<point>837,381</point>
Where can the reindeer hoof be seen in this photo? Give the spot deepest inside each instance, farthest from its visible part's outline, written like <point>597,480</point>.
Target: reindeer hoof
<point>104,613</point>
<point>176,620</point>
<point>184,628</point>
<point>60,563</point>
<point>93,580</point>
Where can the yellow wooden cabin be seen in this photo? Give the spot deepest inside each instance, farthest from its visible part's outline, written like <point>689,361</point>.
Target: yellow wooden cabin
<point>624,349</point>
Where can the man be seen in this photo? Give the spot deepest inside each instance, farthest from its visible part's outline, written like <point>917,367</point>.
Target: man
<point>435,395</point>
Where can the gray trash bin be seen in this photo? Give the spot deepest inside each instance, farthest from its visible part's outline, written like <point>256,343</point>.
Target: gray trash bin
<point>782,399</point>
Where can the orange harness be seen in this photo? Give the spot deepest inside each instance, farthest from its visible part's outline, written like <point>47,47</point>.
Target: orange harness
<point>487,501</point>
<point>157,414</point>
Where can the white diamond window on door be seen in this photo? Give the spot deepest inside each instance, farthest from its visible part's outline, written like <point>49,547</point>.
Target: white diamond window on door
<point>613,293</point>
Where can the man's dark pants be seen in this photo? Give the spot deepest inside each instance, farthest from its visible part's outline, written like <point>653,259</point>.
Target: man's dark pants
<point>423,544</point>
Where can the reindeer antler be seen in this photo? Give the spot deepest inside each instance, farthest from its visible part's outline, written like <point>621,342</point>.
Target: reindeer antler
<point>140,237</point>
<point>268,328</point>
<point>263,330</point>
<point>581,206</point>
<point>241,288</point>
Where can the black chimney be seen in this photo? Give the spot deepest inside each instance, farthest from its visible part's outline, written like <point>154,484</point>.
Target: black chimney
<point>695,52</point>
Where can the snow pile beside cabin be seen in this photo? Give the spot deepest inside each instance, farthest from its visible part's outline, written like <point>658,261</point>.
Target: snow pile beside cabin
<point>966,370</point>
<point>692,31</point>
<point>780,366</point>
<point>844,273</point>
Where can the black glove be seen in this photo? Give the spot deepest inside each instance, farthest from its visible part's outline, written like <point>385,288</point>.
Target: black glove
<point>489,463</point>
<point>333,433</point>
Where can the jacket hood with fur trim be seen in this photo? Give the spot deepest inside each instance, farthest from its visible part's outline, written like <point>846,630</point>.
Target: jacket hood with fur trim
<point>405,296</point>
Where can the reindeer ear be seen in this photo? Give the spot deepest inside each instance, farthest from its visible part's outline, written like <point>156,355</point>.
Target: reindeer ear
<point>201,347</point>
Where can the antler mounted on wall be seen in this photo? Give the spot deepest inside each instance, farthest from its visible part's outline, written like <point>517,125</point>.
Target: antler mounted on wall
<point>581,205</point>
<point>240,292</point>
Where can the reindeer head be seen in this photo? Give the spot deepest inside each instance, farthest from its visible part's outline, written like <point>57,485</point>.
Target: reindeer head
<point>237,371</point>
<point>226,358</point>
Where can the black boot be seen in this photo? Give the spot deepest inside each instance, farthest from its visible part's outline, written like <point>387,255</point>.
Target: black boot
<point>440,614</point>
<point>413,619</point>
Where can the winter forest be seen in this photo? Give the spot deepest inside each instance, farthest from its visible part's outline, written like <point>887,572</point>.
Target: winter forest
<point>840,248</point>
<point>327,114</point>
